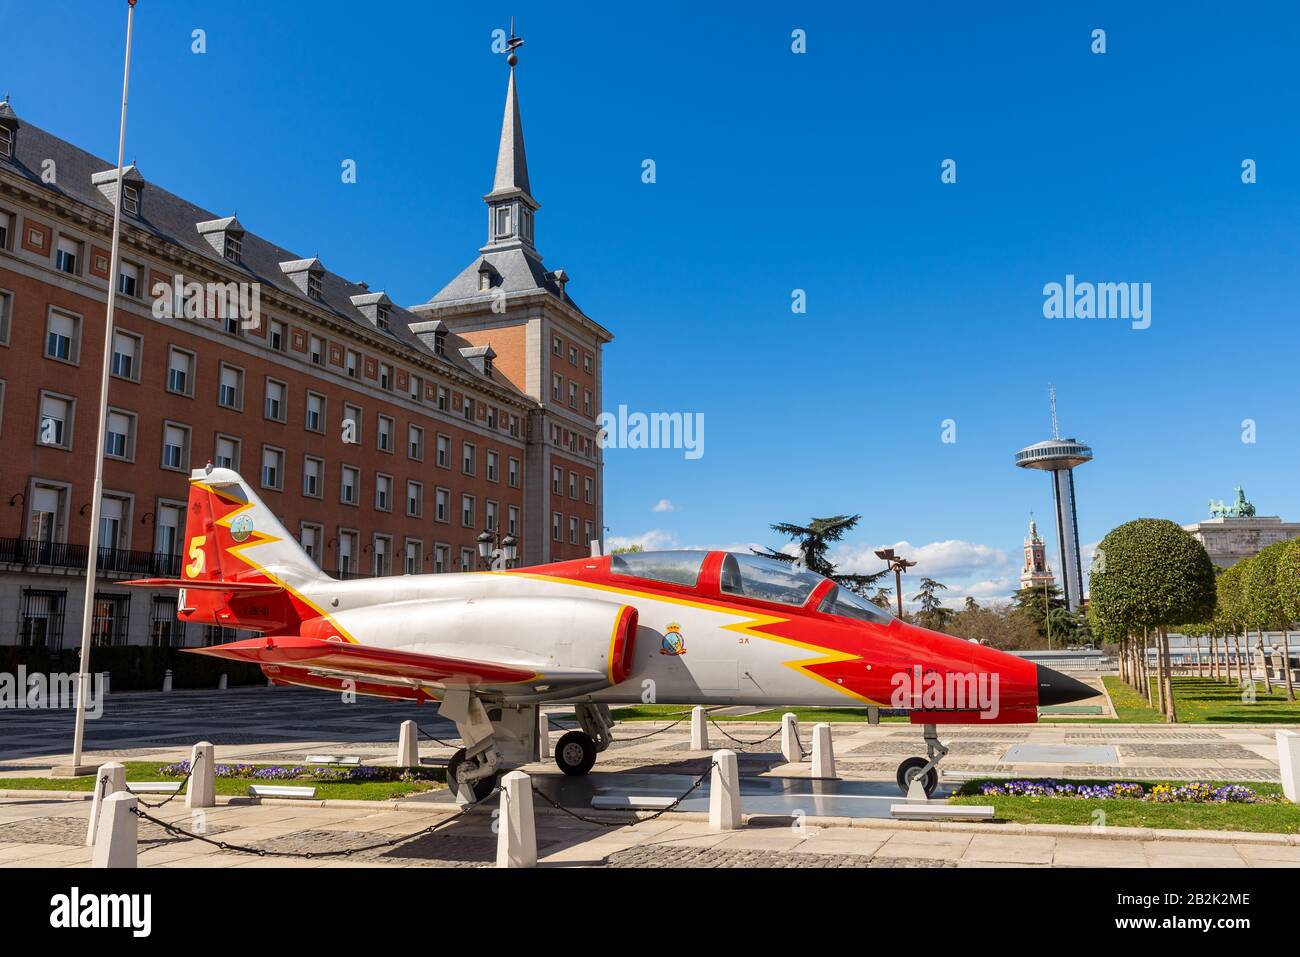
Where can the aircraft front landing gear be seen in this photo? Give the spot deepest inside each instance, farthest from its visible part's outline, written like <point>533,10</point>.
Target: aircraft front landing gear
<point>478,787</point>
<point>926,769</point>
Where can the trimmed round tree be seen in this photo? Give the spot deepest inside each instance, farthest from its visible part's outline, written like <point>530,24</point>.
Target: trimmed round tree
<point>1154,575</point>
<point>1263,601</point>
<point>1231,613</point>
<point>1288,591</point>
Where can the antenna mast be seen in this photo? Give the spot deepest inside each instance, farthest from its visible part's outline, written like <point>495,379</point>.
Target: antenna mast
<point>1051,398</point>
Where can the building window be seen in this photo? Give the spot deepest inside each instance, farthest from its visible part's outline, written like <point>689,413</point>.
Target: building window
<point>110,621</point>
<point>588,494</point>
<point>557,387</point>
<point>573,485</point>
<point>227,453</point>
<point>131,204</point>
<point>586,362</point>
<point>573,530</point>
<point>414,556</point>
<point>415,387</point>
<point>573,395</point>
<point>313,285</point>
<point>441,559</point>
<point>512,472</point>
<point>350,363</point>
<point>444,451</point>
<point>230,391</point>
<point>557,526</point>
<point>415,443</point>
<point>126,355</point>
<point>383,492</point>
<point>315,412</point>
<point>6,314</point>
<point>119,439</point>
<point>467,559</point>
<point>442,399</point>
<point>512,520</point>
<point>128,279</point>
<point>180,372</point>
<point>491,417</point>
<point>467,511</point>
<point>40,623</point>
<point>275,335</point>
<point>6,220</point>
<point>348,547</point>
<point>414,499</point>
<point>67,255</point>
<point>468,409</point>
<point>557,346</point>
<point>441,503</point>
<point>275,404</point>
<point>514,426</point>
<point>316,350</point>
<point>381,317</point>
<point>573,355</point>
<point>62,337</point>
<point>492,466</point>
<point>586,401</point>
<point>170,522</point>
<point>385,377</point>
<point>440,344</point>
<point>310,537</point>
<point>350,487</point>
<point>383,553</point>
<point>54,427</point>
<point>490,516</point>
<point>272,468</point>
<point>351,424</point>
<point>385,434</point>
<point>47,521</point>
<point>234,247</point>
<point>114,522</point>
<point>586,533</point>
<point>468,455</point>
<point>313,477</point>
<point>557,480</point>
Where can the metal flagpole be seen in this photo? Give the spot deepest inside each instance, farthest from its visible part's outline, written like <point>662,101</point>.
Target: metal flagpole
<point>92,553</point>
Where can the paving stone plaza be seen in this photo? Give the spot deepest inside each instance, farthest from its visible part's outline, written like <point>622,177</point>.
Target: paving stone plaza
<point>791,820</point>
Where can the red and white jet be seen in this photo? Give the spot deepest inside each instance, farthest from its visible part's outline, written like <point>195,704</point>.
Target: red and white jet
<point>687,627</point>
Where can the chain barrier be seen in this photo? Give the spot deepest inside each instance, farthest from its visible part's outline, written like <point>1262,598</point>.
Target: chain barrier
<point>659,813</point>
<point>431,737</point>
<point>739,741</point>
<point>652,733</point>
<point>184,781</point>
<point>798,743</point>
<point>343,852</point>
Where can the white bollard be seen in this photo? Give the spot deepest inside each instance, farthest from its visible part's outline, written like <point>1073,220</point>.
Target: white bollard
<point>790,738</point>
<point>516,831</point>
<point>916,792</point>
<point>543,736</point>
<point>873,715</point>
<point>119,833</point>
<point>1288,764</point>
<point>408,745</point>
<point>724,792</point>
<point>823,756</point>
<point>221,683</point>
<point>103,682</point>
<point>109,779</point>
<point>699,729</point>
<point>167,680</point>
<point>202,788</point>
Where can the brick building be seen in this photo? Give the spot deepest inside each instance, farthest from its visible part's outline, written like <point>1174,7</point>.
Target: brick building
<point>388,437</point>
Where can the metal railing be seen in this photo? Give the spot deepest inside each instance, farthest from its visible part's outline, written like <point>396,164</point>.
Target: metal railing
<point>33,553</point>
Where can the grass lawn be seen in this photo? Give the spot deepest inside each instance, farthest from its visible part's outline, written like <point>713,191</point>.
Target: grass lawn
<point>1205,700</point>
<point>152,771</point>
<point>1273,816</point>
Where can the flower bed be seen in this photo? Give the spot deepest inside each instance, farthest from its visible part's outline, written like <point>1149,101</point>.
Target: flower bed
<point>1194,793</point>
<point>277,772</point>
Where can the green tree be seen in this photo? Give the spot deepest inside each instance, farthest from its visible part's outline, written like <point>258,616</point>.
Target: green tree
<point>1231,610</point>
<point>627,549</point>
<point>1262,600</point>
<point>1288,590</point>
<point>1038,604</point>
<point>932,614</point>
<point>814,541</point>
<point>1154,574</point>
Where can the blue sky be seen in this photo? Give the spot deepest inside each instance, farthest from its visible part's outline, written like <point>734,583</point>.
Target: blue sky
<point>776,172</point>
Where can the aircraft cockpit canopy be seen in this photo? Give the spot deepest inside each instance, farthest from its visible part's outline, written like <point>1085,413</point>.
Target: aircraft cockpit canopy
<point>675,568</point>
<point>766,579</point>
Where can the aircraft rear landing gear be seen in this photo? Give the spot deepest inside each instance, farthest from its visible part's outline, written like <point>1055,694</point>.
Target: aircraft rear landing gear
<point>927,769</point>
<point>477,787</point>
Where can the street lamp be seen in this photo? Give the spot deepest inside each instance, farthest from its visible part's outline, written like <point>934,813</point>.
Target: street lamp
<point>897,564</point>
<point>497,555</point>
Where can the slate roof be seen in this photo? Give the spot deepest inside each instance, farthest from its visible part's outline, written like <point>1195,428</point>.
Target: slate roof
<point>175,220</point>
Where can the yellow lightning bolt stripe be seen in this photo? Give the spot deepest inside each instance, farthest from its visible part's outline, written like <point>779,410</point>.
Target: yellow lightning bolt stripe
<point>746,626</point>
<point>261,538</point>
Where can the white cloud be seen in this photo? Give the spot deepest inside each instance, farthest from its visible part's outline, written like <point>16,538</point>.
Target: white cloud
<point>653,540</point>
<point>953,558</point>
<point>664,505</point>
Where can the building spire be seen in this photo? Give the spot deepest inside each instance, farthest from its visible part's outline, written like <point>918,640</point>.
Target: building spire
<point>512,162</point>
<point>510,204</point>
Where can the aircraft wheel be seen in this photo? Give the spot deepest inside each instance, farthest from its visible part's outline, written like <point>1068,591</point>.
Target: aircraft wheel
<point>480,788</point>
<point>908,770</point>
<point>575,753</point>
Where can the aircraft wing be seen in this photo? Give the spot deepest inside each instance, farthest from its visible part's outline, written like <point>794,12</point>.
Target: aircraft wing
<point>388,665</point>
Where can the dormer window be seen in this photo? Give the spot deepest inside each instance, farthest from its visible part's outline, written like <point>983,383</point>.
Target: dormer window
<point>234,248</point>
<point>130,200</point>
<point>440,344</point>
<point>6,142</point>
<point>306,275</point>
<point>381,317</point>
<point>484,282</point>
<point>313,285</point>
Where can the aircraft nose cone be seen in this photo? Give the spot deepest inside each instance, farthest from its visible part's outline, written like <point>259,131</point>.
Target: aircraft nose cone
<point>1056,688</point>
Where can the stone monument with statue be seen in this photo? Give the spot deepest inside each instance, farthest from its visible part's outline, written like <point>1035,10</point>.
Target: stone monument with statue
<point>1233,532</point>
